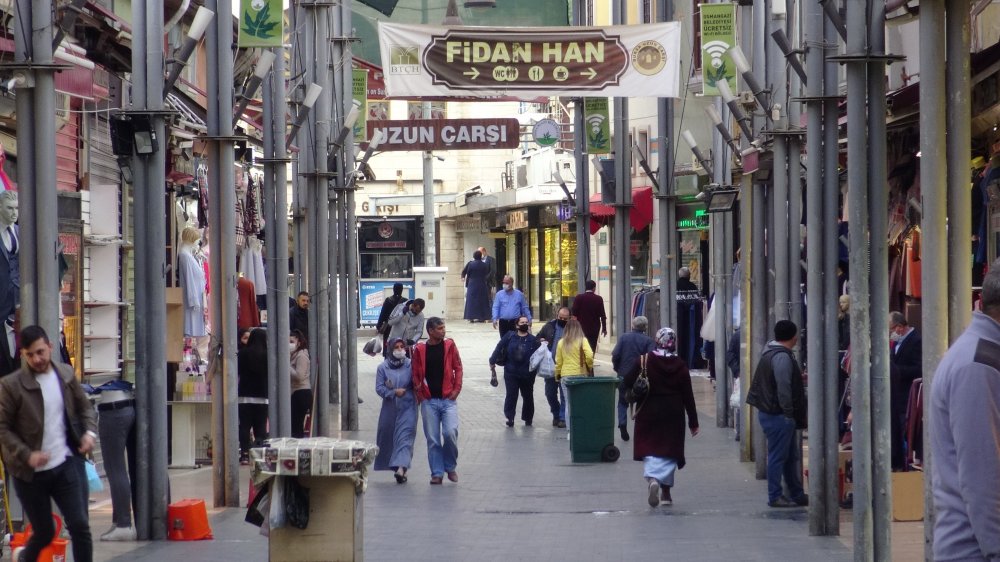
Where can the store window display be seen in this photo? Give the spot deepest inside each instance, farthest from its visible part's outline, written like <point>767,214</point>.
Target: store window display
<point>192,282</point>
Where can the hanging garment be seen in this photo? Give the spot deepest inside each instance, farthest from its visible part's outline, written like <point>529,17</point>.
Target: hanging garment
<point>192,279</point>
<point>247,313</point>
<point>252,265</point>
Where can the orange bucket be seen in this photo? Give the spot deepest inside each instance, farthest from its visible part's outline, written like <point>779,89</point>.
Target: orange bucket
<point>54,552</point>
<point>188,521</point>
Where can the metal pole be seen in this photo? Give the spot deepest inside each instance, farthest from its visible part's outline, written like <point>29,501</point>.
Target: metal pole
<point>430,233</point>
<point>776,77</point>
<point>933,223</point>
<point>666,201</point>
<point>582,172</point>
<point>748,226</point>
<point>352,311</point>
<point>278,320</point>
<point>301,211</point>
<point>815,340</point>
<point>721,275</point>
<point>831,250</point>
<point>794,176</point>
<point>25,105</point>
<point>759,315</point>
<point>623,201</point>
<point>959,147</point>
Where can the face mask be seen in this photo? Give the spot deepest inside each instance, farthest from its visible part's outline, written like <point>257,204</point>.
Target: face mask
<point>893,336</point>
<point>522,327</point>
<point>507,286</point>
<point>562,323</point>
<point>399,353</point>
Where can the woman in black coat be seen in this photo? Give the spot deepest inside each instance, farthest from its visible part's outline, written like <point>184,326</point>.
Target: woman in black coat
<point>251,366</point>
<point>659,417</point>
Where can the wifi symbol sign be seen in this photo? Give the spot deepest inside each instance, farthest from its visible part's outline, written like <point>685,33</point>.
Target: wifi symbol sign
<point>595,121</point>
<point>715,50</point>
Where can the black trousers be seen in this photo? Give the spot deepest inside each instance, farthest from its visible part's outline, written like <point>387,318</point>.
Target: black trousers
<point>506,326</point>
<point>66,485</point>
<point>525,386</point>
<point>301,404</point>
<point>252,416</point>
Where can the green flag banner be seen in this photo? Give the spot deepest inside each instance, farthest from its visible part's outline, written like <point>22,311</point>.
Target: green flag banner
<point>360,94</point>
<point>261,23</point>
<point>597,125</point>
<point>718,34</point>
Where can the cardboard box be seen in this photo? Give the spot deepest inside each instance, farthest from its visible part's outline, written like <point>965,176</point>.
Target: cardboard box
<point>908,496</point>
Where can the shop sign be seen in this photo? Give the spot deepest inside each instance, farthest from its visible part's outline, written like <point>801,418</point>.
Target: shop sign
<point>718,35</point>
<point>517,220</point>
<point>469,224</point>
<point>546,132</point>
<point>697,222</point>
<point>360,94</point>
<point>565,212</point>
<point>597,117</point>
<point>426,60</point>
<point>446,134</point>
<point>564,228</point>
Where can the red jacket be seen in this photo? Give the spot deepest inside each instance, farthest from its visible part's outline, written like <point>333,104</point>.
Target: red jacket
<point>452,384</point>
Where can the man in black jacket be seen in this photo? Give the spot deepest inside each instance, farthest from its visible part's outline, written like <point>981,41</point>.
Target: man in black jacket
<point>552,332</point>
<point>624,357</point>
<point>390,304</point>
<point>779,396</point>
<point>904,367</point>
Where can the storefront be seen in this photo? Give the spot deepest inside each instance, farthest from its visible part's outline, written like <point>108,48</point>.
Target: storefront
<point>388,248</point>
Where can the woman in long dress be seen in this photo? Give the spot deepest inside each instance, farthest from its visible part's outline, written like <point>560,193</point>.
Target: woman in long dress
<point>477,291</point>
<point>659,418</point>
<point>397,422</point>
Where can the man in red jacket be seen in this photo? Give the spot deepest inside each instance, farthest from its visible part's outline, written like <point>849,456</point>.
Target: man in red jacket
<point>437,381</point>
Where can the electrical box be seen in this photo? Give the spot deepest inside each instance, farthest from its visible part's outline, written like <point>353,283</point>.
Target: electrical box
<point>429,284</point>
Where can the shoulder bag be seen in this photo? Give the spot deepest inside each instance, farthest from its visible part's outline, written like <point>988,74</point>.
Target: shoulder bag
<point>589,369</point>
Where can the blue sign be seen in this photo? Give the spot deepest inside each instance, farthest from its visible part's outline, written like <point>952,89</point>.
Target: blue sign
<point>565,212</point>
<point>373,294</point>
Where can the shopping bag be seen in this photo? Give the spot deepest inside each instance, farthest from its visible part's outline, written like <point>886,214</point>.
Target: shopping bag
<point>541,362</point>
<point>374,346</point>
<point>708,326</point>
<point>93,480</point>
<point>734,398</point>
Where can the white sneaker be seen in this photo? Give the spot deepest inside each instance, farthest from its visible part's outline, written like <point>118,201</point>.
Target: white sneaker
<point>654,493</point>
<point>120,534</point>
<point>16,555</point>
<point>111,528</point>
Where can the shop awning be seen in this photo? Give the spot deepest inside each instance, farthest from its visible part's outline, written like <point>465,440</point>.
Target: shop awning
<point>640,215</point>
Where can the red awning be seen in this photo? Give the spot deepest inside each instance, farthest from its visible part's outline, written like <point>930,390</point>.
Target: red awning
<point>640,215</point>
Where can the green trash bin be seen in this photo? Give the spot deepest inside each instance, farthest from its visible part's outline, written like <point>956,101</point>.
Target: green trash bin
<point>592,418</point>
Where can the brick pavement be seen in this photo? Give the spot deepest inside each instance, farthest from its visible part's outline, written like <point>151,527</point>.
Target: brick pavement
<point>520,497</point>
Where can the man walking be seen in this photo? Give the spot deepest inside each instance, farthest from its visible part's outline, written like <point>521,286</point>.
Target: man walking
<point>437,382</point>
<point>298,314</point>
<point>508,306</point>
<point>779,396</point>
<point>964,423</point>
<point>491,278</point>
<point>46,425</point>
<point>390,304</point>
<point>624,357</point>
<point>905,366</point>
<point>551,333</point>
<point>588,307</point>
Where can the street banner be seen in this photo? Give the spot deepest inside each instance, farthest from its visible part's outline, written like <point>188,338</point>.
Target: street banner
<point>360,94</point>
<point>597,124</point>
<point>718,34</point>
<point>261,23</point>
<point>624,60</point>
<point>373,295</point>
<point>446,134</point>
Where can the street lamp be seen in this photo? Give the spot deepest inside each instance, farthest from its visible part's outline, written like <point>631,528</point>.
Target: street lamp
<point>259,72</point>
<point>734,108</point>
<point>716,118</point>
<point>451,16</point>
<point>312,94</point>
<point>743,66</point>
<point>201,20</point>
<point>705,162</point>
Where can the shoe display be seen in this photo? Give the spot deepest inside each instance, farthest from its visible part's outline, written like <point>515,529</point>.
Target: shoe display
<point>453,476</point>
<point>624,431</point>
<point>802,500</point>
<point>782,501</point>
<point>654,493</point>
<point>120,534</point>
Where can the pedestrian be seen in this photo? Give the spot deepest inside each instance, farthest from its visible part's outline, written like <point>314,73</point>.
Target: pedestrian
<point>251,364</point>
<point>301,380</point>
<point>407,323</point>
<point>508,306</point>
<point>516,348</point>
<point>588,307</point>
<point>298,314</point>
<point>397,421</point>
<point>437,382</point>
<point>684,282</point>
<point>660,415</point>
<point>551,334</point>
<point>624,357</point>
<point>777,392</point>
<point>905,366</point>
<point>573,359</point>
<point>733,361</point>
<point>390,304</point>
<point>843,322</point>
<point>477,291</point>
<point>964,422</point>
<point>116,430</point>
<point>491,277</point>
<point>47,425</point>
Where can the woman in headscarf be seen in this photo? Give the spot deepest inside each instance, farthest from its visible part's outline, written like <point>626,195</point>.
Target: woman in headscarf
<point>397,422</point>
<point>659,417</point>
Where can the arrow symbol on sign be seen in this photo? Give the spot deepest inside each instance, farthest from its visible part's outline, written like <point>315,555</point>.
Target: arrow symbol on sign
<point>474,73</point>
<point>590,73</point>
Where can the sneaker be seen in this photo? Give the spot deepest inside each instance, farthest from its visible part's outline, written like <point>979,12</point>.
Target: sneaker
<point>436,480</point>
<point>624,431</point>
<point>654,493</point>
<point>665,498</point>
<point>527,423</point>
<point>561,424</point>
<point>782,501</point>
<point>555,422</point>
<point>453,476</point>
<point>17,555</point>
<point>120,534</point>
<point>802,501</point>
<point>510,423</point>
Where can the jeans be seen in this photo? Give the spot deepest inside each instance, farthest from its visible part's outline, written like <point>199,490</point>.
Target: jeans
<point>557,399</point>
<point>252,416</point>
<point>440,417</point>
<point>782,456</point>
<point>117,432</point>
<point>566,404</point>
<point>301,404</point>
<point>622,404</point>
<point>525,386</point>
<point>65,484</point>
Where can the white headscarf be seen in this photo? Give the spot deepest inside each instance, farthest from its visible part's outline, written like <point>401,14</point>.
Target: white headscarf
<point>666,342</point>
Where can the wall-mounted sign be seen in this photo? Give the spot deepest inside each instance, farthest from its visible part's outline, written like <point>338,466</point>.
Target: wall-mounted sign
<point>517,220</point>
<point>469,224</point>
<point>598,125</point>
<point>565,212</point>
<point>446,134</point>
<point>546,132</point>
<point>697,222</point>
<point>426,60</point>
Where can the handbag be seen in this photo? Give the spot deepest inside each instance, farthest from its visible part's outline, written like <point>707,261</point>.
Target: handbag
<point>583,363</point>
<point>373,347</point>
<point>502,355</point>
<point>640,389</point>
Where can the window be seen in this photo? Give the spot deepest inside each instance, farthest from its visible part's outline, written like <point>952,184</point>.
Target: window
<point>696,36</point>
<point>645,11</point>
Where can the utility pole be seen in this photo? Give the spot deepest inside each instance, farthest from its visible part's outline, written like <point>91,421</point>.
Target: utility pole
<point>623,200</point>
<point>666,199</point>
<point>430,230</point>
<point>582,172</point>
<point>759,328</point>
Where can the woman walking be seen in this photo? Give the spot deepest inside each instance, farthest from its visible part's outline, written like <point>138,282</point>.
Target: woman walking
<point>574,358</point>
<point>477,291</point>
<point>516,349</point>
<point>659,417</point>
<point>397,422</point>
<point>301,382</point>
<point>251,389</point>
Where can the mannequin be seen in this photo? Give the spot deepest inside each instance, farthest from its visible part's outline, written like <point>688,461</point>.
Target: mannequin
<point>10,276</point>
<point>192,281</point>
